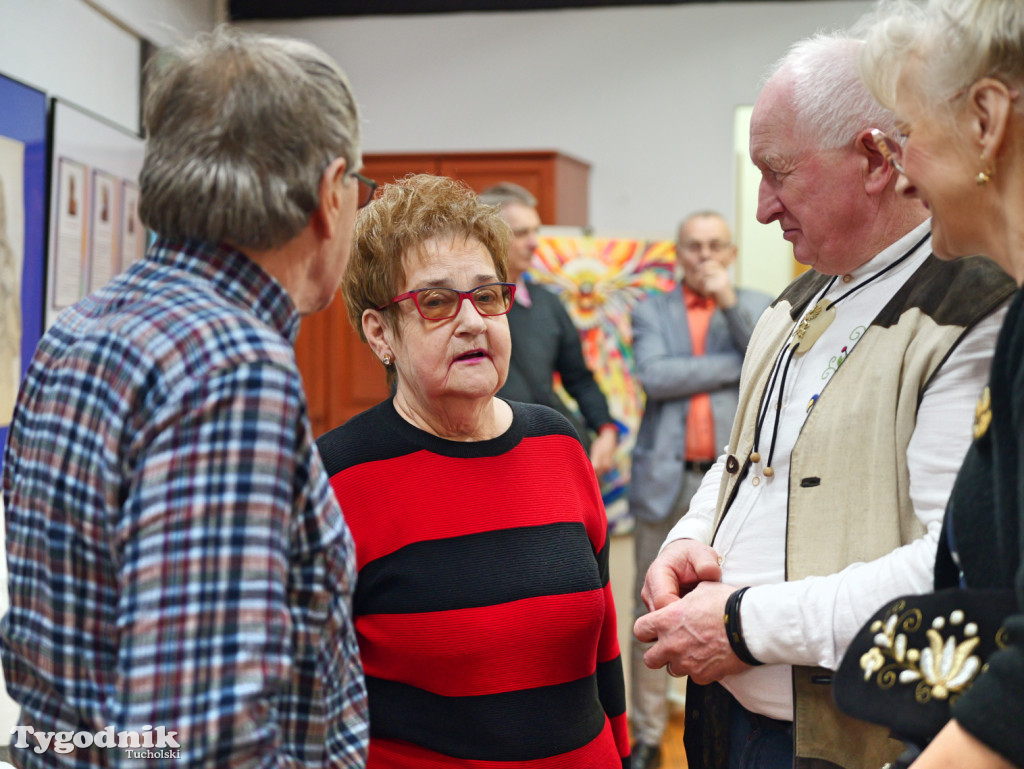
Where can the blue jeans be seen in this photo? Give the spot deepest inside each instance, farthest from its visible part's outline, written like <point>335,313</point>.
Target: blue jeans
<point>757,742</point>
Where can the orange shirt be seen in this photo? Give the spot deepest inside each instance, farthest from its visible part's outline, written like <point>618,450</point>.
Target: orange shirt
<point>700,425</point>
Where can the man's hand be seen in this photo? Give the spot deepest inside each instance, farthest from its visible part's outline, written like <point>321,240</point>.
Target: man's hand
<point>714,277</point>
<point>677,570</point>
<point>690,635</point>
<point>602,450</point>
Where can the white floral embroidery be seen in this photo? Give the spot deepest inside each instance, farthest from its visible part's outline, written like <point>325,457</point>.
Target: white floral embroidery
<point>940,670</point>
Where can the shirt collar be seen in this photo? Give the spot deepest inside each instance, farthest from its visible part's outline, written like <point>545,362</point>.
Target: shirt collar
<point>234,276</point>
<point>522,297</point>
<point>889,255</point>
<point>695,301</point>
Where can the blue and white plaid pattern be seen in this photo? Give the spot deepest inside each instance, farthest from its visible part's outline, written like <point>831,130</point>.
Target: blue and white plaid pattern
<point>176,555</point>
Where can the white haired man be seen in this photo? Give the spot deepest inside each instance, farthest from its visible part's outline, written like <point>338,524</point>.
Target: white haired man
<point>854,415</point>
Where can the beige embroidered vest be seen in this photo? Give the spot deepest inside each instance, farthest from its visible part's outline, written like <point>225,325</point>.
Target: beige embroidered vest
<point>849,497</point>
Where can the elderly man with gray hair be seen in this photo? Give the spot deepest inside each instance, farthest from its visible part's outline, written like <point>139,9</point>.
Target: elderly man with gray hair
<point>855,410</point>
<point>179,566</point>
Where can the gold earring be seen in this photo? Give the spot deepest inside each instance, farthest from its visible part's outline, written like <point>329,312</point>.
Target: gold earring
<point>386,360</point>
<point>983,177</point>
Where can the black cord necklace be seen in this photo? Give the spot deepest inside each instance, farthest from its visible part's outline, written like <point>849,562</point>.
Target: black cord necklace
<point>807,331</point>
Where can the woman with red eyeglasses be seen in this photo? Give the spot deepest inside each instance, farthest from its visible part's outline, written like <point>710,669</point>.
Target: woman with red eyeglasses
<point>483,607</point>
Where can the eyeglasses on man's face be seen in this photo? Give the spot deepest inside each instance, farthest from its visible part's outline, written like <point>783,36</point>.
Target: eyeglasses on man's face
<point>436,303</point>
<point>890,149</point>
<point>714,246</point>
<point>367,187</point>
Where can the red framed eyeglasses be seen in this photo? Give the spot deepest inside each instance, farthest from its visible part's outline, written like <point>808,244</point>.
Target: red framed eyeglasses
<point>437,303</point>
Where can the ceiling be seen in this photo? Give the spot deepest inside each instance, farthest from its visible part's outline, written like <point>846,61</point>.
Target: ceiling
<point>245,10</point>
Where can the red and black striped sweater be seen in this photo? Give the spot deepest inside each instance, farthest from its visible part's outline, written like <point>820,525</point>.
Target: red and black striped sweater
<point>483,607</point>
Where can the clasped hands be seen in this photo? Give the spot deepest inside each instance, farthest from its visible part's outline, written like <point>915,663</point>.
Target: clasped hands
<point>686,603</point>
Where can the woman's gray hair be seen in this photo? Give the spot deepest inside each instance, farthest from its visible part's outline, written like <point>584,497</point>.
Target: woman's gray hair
<point>828,93</point>
<point>962,41</point>
<point>239,130</point>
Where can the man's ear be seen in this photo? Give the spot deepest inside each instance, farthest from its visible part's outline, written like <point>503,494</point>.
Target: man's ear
<point>332,195</point>
<point>989,104</point>
<point>877,170</point>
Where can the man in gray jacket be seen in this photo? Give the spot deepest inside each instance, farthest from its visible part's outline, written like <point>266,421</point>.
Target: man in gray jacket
<point>689,346</point>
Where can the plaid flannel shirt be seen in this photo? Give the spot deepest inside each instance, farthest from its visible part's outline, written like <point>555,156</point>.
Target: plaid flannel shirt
<point>177,558</point>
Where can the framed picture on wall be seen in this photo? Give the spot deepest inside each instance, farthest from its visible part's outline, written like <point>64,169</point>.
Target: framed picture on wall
<point>106,259</point>
<point>95,171</point>
<point>23,159</point>
<point>67,234</point>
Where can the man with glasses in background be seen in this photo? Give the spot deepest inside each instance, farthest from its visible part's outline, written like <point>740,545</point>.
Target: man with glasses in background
<point>544,339</point>
<point>689,345</point>
<point>854,415</point>
<point>177,559</point>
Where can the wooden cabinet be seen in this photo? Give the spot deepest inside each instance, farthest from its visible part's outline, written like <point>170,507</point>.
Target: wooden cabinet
<point>558,181</point>
<point>341,375</point>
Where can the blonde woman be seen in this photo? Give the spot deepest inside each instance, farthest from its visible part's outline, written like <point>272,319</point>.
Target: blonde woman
<point>953,73</point>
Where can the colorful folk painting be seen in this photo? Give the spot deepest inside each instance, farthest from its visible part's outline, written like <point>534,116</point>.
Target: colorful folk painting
<point>599,280</point>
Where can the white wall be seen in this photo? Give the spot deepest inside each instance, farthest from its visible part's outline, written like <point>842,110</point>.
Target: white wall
<point>645,94</point>
<point>162,22</point>
<point>89,55</point>
<point>67,49</point>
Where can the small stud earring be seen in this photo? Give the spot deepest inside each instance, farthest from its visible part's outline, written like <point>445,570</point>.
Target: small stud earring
<point>386,360</point>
